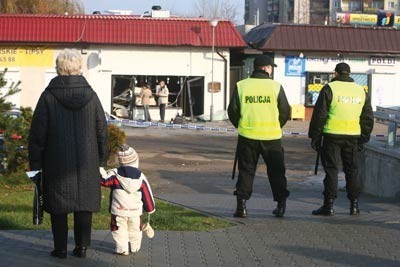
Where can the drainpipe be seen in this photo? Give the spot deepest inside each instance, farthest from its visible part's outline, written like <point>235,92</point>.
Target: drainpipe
<point>225,74</point>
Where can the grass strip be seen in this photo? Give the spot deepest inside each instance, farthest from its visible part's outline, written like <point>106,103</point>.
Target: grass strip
<point>16,213</point>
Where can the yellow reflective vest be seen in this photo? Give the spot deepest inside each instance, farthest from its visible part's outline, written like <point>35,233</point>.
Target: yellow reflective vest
<point>348,99</point>
<point>259,109</point>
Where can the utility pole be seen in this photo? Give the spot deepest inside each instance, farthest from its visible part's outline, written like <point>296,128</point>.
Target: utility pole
<point>213,24</point>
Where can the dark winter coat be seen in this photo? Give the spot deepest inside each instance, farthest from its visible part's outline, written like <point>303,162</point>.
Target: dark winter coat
<point>283,104</point>
<point>68,141</point>
<point>321,111</point>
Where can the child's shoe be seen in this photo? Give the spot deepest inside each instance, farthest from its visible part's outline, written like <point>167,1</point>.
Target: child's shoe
<point>123,253</point>
<point>134,247</point>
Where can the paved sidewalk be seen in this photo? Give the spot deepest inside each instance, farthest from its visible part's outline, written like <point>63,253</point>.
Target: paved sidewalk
<point>298,239</point>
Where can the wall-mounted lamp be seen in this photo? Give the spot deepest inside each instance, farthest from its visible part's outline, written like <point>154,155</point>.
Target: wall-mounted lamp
<point>213,23</point>
<point>99,56</point>
<point>301,55</point>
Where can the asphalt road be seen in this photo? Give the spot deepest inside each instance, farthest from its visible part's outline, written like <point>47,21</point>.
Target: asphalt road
<point>193,160</point>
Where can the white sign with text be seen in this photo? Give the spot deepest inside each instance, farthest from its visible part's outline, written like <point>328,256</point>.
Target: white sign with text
<point>382,61</point>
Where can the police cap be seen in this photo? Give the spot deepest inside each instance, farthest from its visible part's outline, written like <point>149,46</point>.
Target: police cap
<point>342,68</point>
<point>263,60</point>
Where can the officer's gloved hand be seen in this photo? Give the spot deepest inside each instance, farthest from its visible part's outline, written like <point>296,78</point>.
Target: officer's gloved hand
<point>316,143</point>
<point>360,144</point>
<point>360,147</point>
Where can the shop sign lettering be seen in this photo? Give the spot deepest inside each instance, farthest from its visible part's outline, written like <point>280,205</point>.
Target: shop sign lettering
<point>26,56</point>
<point>382,61</point>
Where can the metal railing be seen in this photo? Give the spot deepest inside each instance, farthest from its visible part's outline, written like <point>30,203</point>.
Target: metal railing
<point>391,117</point>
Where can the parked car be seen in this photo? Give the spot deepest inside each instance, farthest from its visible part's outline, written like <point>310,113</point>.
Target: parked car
<point>14,113</point>
<point>1,141</point>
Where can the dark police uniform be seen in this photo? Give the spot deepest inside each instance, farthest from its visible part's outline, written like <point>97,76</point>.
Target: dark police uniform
<point>343,116</point>
<point>259,109</point>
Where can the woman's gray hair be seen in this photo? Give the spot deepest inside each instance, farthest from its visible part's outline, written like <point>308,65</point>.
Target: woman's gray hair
<point>69,62</point>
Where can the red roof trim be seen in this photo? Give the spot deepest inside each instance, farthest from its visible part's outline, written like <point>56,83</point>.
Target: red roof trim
<point>316,38</point>
<point>111,29</point>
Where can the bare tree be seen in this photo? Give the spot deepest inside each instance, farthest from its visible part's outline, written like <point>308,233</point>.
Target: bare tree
<point>222,9</point>
<point>41,6</point>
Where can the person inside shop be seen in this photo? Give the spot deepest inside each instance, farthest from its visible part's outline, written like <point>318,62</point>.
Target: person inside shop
<point>145,96</point>
<point>132,102</point>
<point>162,92</point>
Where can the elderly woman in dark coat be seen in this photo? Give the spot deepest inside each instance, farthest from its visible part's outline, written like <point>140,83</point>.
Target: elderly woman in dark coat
<point>68,142</point>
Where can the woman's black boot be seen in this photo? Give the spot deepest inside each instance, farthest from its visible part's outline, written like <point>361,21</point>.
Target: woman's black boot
<point>79,252</point>
<point>241,211</point>
<point>62,254</point>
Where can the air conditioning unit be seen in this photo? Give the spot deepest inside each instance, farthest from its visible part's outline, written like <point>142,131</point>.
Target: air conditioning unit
<point>160,14</point>
<point>118,12</point>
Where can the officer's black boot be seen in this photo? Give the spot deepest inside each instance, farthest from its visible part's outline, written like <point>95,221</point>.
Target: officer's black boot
<point>241,211</point>
<point>326,209</point>
<point>354,210</point>
<point>280,208</point>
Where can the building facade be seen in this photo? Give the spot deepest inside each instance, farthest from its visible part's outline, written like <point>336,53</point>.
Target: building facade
<point>120,55</point>
<point>286,11</point>
<point>306,56</point>
<point>317,12</point>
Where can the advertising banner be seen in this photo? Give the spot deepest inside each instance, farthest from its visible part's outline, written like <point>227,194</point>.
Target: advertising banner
<point>382,19</point>
<point>29,56</point>
<point>294,66</point>
<point>385,18</point>
<point>356,19</point>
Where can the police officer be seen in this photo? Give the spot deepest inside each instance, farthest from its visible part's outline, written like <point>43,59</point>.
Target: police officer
<point>343,117</point>
<point>259,109</point>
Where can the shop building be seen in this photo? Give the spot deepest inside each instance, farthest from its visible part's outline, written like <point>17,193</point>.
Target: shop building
<point>120,54</point>
<point>306,56</point>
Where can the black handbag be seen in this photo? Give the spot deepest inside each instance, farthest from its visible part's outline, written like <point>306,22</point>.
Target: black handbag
<point>38,199</point>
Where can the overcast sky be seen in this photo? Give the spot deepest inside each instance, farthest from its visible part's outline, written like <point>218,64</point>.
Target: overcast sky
<point>177,7</point>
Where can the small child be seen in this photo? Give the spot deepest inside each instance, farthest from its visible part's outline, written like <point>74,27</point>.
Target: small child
<point>130,195</point>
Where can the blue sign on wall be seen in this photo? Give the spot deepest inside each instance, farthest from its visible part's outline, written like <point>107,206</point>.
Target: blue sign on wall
<point>295,66</point>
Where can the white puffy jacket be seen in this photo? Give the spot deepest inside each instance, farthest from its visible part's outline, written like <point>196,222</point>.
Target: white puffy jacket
<point>131,192</point>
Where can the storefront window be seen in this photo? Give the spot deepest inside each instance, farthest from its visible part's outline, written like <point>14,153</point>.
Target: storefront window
<point>316,80</point>
<point>126,91</point>
<point>361,79</point>
<point>314,83</point>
